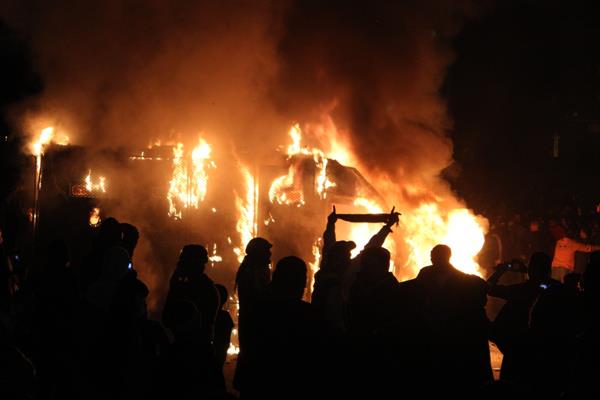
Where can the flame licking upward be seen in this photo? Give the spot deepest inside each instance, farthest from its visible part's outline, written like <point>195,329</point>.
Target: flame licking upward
<point>423,226</point>
<point>247,224</point>
<point>189,181</point>
<point>281,189</point>
<point>90,186</point>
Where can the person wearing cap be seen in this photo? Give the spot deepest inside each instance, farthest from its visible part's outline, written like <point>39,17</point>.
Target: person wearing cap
<point>251,281</point>
<point>190,283</point>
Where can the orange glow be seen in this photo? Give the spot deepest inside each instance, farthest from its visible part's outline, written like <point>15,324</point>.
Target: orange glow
<point>428,226</point>
<point>246,206</point>
<point>189,182</point>
<point>95,217</point>
<point>95,186</point>
<point>281,190</point>
<point>47,135</point>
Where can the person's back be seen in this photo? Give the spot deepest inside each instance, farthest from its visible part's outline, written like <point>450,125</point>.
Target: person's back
<point>453,305</point>
<point>188,368</point>
<point>283,338</point>
<point>190,283</point>
<point>510,329</point>
<point>223,327</point>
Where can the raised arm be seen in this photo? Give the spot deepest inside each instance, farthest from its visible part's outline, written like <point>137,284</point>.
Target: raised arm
<point>494,289</point>
<point>585,248</point>
<point>379,238</point>
<point>329,234</point>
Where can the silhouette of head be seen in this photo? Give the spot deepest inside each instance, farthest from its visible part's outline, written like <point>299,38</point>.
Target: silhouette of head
<point>129,238</point>
<point>540,267</point>
<point>375,260</point>
<point>57,256</point>
<point>339,256</point>
<point>192,259</point>
<point>259,250</point>
<point>115,263</point>
<point>557,230</point>
<point>440,255</point>
<point>223,295</point>
<point>289,278</point>
<point>109,234</point>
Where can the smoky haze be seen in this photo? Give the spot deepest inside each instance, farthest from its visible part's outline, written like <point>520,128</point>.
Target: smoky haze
<point>124,73</point>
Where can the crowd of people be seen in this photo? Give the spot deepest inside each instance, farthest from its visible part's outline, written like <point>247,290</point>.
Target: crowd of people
<point>74,333</point>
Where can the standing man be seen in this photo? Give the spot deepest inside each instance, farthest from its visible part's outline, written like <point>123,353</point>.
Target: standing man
<point>563,262</point>
<point>251,281</point>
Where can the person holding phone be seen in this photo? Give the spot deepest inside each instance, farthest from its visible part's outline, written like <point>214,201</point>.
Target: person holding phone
<point>510,328</point>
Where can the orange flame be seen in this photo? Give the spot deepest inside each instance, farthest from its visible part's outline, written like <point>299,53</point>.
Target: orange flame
<point>281,190</point>
<point>427,226</point>
<point>47,135</point>
<point>94,217</point>
<point>247,224</point>
<point>189,182</point>
<point>90,186</point>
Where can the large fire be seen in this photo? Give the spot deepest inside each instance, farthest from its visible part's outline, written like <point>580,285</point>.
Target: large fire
<point>422,227</point>
<point>189,182</point>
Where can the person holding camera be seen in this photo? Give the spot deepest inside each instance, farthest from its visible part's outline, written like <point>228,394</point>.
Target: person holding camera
<point>510,329</point>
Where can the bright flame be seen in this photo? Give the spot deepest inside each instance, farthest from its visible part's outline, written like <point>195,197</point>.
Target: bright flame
<point>189,182</point>
<point>315,264</point>
<point>282,189</point>
<point>427,226</point>
<point>95,217</point>
<point>47,135</point>
<point>90,186</point>
<point>247,224</point>
<point>362,232</point>
<point>214,257</point>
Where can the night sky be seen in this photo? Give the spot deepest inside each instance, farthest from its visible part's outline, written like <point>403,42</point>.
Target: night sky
<point>524,73</point>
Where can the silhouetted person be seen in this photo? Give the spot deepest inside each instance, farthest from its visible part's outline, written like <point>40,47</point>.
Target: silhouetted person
<point>340,260</point>
<point>55,302</point>
<point>108,235</point>
<point>102,334</point>
<point>251,281</point>
<point>556,320</point>
<point>327,296</point>
<point>510,329</point>
<point>188,370</point>
<point>373,308</point>
<point>130,237</point>
<point>583,382</point>
<point>223,328</point>
<point>190,283</point>
<point>452,304</point>
<point>284,338</point>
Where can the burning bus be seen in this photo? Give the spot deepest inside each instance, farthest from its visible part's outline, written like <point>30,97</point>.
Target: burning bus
<point>195,191</point>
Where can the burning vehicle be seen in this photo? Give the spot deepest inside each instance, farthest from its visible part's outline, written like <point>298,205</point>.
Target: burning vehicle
<point>179,192</point>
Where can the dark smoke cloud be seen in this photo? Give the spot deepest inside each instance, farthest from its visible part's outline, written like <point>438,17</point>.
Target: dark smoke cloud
<point>126,72</point>
<point>381,65</point>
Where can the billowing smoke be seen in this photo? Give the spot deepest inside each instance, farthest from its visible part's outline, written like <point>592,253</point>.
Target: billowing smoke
<point>378,67</point>
<point>124,73</point>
